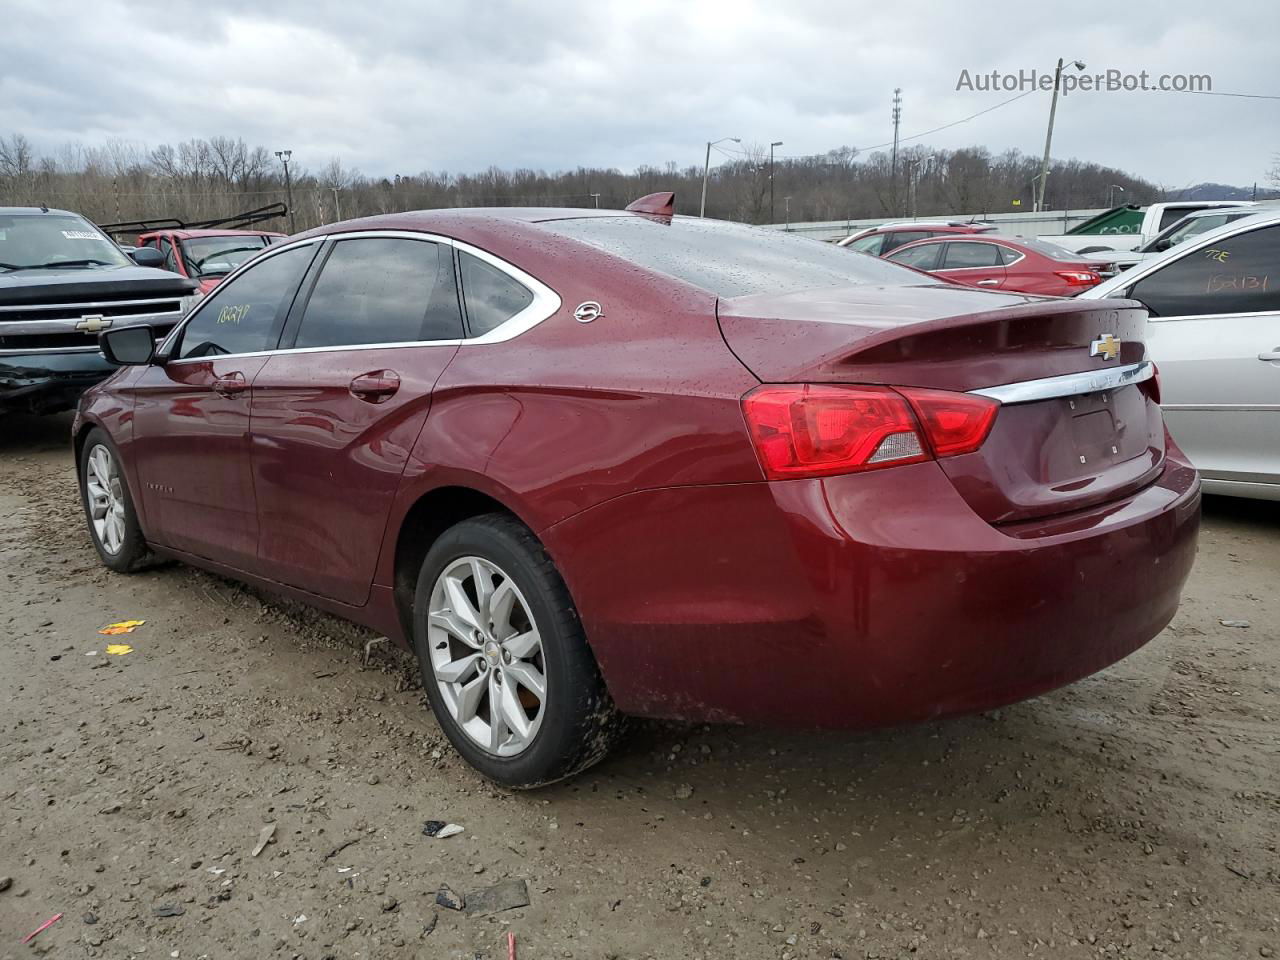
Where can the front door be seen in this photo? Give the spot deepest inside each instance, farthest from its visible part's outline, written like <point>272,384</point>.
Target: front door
<point>337,412</point>
<point>192,413</point>
<point>1215,335</point>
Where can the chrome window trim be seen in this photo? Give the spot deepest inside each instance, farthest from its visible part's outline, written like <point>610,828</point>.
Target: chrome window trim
<point>965,238</point>
<point>1235,315</point>
<point>1069,385</point>
<point>545,304</point>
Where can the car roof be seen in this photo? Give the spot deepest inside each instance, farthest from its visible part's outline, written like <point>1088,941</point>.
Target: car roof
<point>37,212</point>
<point>1155,262</point>
<point>189,234</point>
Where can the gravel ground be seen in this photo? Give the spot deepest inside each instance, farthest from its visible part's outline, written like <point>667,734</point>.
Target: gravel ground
<point>1135,812</point>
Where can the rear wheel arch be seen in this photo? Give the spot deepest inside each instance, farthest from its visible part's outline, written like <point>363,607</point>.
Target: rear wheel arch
<point>431,515</point>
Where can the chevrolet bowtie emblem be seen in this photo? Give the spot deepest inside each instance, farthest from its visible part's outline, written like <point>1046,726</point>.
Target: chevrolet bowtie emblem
<point>93,323</point>
<point>1106,346</point>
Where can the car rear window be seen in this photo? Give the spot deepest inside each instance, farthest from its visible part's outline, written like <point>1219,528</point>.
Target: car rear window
<point>729,259</point>
<point>1051,250</point>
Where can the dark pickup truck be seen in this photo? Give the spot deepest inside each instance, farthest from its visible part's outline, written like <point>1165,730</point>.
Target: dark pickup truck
<point>62,281</point>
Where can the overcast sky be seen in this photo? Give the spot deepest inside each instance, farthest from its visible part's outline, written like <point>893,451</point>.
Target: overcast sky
<point>400,87</point>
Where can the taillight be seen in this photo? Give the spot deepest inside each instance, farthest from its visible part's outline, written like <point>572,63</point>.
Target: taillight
<point>954,422</point>
<point>1079,278</point>
<point>819,430</point>
<point>1154,383</point>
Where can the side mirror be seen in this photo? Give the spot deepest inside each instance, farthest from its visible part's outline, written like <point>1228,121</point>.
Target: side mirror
<point>147,257</point>
<point>128,346</point>
<point>1163,245</point>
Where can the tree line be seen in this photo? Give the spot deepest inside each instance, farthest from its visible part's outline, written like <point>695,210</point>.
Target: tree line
<point>220,176</point>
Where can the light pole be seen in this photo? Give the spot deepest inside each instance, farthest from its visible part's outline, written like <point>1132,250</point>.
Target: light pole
<point>283,156</point>
<point>776,143</point>
<point>1048,137</point>
<point>706,169</point>
<point>1111,194</point>
<point>787,201</point>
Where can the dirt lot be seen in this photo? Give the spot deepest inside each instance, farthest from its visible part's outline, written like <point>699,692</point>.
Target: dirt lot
<point>1137,811</point>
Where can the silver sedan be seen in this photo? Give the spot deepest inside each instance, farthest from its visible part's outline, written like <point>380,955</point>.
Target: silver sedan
<point>1214,334</point>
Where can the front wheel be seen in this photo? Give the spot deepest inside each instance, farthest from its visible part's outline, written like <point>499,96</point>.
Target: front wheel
<point>108,508</point>
<point>503,656</point>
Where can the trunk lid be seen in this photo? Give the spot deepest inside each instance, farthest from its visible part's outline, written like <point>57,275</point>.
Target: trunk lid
<point>1043,456</point>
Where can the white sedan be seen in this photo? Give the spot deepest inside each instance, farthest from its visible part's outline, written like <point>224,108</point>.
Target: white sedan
<point>1214,334</point>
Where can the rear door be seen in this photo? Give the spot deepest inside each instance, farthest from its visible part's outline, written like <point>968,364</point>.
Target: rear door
<point>974,262</point>
<point>337,411</point>
<point>1215,333</point>
<point>191,416</point>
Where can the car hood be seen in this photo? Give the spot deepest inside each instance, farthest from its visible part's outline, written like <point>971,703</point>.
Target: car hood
<point>34,286</point>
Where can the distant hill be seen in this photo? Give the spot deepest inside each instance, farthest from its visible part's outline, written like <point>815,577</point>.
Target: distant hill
<point>1222,191</point>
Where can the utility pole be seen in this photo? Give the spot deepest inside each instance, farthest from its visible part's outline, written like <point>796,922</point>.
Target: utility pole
<point>897,119</point>
<point>706,169</point>
<point>283,156</point>
<point>337,207</point>
<point>776,143</point>
<point>596,198</point>
<point>787,201</point>
<point>1048,137</point>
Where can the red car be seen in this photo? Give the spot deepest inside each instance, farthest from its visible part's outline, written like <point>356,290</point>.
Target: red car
<point>207,255</point>
<point>593,463</point>
<point>1024,265</point>
<point>879,241</point>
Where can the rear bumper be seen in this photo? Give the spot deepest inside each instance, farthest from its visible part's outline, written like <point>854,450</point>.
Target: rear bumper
<point>48,382</point>
<point>866,600</point>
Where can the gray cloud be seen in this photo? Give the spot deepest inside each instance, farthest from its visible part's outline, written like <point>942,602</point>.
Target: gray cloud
<point>399,87</point>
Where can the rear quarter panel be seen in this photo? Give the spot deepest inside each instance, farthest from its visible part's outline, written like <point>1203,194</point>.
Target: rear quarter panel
<point>569,414</point>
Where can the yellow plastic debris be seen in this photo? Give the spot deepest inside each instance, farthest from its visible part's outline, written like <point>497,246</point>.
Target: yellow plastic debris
<point>124,626</point>
<point>119,649</point>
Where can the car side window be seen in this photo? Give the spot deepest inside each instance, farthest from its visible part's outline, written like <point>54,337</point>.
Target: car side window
<point>170,258</point>
<point>492,296</point>
<point>923,257</point>
<point>1169,217</point>
<point>1007,255</point>
<point>1239,274</point>
<point>869,244</point>
<point>969,253</point>
<point>244,314</point>
<point>382,290</point>
<point>901,238</point>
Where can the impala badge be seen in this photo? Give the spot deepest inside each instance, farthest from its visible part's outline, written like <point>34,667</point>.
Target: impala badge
<point>588,311</point>
<point>93,323</point>
<point>1106,346</point>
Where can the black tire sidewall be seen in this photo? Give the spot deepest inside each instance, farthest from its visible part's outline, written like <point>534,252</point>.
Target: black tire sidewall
<point>573,682</point>
<point>134,547</point>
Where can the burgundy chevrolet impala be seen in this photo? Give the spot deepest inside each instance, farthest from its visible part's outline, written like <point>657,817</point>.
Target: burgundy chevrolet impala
<point>589,464</point>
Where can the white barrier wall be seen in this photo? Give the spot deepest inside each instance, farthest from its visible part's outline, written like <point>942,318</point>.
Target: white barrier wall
<point>1012,224</point>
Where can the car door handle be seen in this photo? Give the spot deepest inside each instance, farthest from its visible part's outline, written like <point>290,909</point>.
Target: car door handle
<point>230,384</point>
<point>375,387</point>
<point>1270,355</point>
<point>987,283</point>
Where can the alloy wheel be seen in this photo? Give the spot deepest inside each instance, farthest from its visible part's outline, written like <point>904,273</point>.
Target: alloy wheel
<point>487,656</point>
<point>106,498</point>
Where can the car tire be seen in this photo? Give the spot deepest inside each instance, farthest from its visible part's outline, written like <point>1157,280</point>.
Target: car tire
<point>108,506</point>
<point>482,671</point>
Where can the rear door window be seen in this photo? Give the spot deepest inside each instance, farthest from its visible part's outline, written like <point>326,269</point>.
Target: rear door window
<point>923,257</point>
<point>1239,274</point>
<point>492,296</point>
<point>245,314</point>
<point>382,290</point>
<point>961,254</point>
